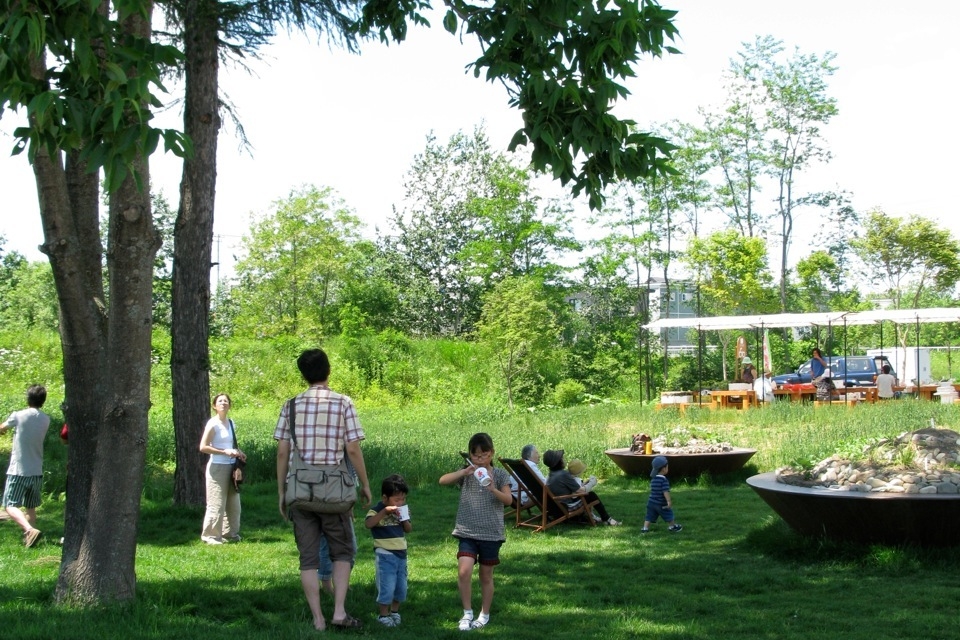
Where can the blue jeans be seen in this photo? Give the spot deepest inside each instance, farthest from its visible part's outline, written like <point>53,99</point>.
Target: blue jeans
<point>659,510</point>
<point>391,577</point>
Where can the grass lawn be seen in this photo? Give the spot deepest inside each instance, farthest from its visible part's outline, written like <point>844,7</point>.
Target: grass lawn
<point>735,571</point>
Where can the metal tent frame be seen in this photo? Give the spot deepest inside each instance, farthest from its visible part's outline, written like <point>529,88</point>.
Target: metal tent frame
<point>823,319</point>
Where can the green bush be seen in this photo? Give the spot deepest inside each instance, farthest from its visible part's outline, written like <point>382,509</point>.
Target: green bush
<point>567,393</point>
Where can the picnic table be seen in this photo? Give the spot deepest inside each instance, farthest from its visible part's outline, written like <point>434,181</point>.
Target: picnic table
<point>722,399</point>
<point>796,393</point>
<point>869,394</point>
<point>923,392</point>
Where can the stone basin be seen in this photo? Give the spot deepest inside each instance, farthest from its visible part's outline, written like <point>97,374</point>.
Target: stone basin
<point>872,518</point>
<point>686,465</point>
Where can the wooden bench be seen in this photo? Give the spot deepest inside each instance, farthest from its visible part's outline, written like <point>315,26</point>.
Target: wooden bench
<point>843,401</point>
<point>869,394</point>
<point>682,407</point>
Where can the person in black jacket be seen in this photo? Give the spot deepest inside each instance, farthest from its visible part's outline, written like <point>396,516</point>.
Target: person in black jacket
<point>563,483</point>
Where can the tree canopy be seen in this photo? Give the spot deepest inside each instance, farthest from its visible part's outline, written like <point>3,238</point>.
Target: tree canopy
<point>908,255</point>
<point>295,262</point>
<point>563,64</point>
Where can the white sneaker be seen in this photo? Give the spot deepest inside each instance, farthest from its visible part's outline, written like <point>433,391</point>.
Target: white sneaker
<point>466,622</point>
<point>387,621</point>
<point>396,618</point>
<point>211,540</point>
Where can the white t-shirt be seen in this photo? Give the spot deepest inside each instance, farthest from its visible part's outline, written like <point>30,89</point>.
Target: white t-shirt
<point>764,388</point>
<point>222,439</point>
<point>885,383</point>
<point>29,429</point>
<point>513,482</point>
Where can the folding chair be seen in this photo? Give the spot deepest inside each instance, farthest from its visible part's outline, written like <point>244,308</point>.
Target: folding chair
<point>553,508</point>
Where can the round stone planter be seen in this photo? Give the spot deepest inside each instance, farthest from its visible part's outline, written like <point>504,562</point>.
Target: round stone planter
<point>687,465</point>
<point>884,518</point>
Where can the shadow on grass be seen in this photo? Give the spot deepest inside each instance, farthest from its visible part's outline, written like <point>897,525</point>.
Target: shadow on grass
<point>778,541</point>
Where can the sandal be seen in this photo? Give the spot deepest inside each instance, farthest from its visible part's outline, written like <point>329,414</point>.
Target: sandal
<point>347,623</point>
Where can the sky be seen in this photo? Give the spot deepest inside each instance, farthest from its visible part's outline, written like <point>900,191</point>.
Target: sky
<point>320,116</point>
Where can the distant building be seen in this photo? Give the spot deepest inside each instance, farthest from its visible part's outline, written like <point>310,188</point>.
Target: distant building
<point>680,303</point>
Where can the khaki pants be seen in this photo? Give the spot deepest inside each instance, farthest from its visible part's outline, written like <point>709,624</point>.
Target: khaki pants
<point>222,520</point>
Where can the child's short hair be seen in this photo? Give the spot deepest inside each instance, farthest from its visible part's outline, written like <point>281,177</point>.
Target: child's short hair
<point>480,441</point>
<point>36,396</point>
<point>886,368</point>
<point>393,485</point>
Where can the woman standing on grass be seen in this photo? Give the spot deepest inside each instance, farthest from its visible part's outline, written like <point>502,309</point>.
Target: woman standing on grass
<point>222,520</point>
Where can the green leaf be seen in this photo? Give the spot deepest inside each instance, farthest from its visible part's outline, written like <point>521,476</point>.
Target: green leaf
<point>117,114</point>
<point>152,141</point>
<point>450,22</point>
<point>115,73</point>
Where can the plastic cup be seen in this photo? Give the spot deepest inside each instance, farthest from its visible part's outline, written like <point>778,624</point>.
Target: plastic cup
<point>403,513</point>
<point>482,476</point>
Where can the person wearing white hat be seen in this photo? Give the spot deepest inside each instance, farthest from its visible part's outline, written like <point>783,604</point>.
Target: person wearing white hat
<point>749,373</point>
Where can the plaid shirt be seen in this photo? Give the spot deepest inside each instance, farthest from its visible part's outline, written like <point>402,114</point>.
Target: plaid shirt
<point>326,422</point>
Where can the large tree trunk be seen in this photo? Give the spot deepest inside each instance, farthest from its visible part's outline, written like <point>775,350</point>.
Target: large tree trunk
<point>104,569</point>
<point>69,211</point>
<point>106,355</point>
<point>193,240</point>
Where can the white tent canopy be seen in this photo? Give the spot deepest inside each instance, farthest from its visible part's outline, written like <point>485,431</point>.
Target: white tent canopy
<point>834,318</point>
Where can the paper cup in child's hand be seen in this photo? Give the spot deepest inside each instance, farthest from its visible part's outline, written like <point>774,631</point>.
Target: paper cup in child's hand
<point>403,513</point>
<point>482,476</point>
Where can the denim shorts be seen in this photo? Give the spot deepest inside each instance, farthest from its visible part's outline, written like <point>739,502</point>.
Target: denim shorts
<point>486,552</point>
<point>663,511</point>
<point>391,577</point>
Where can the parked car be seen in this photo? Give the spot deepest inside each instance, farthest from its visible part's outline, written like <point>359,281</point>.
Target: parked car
<point>852,370</point>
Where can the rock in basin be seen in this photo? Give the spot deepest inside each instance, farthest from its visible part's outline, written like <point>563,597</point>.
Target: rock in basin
<point>872,518</point>
<point>689,465</point>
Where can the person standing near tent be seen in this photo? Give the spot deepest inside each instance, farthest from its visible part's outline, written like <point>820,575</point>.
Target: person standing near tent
<point>764,386</point>
<point>820,372</point>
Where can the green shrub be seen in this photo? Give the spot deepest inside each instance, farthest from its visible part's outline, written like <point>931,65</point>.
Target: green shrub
<point>567,393</point>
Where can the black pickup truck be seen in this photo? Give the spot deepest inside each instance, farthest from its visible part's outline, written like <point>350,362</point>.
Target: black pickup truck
<point>852,370</point>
